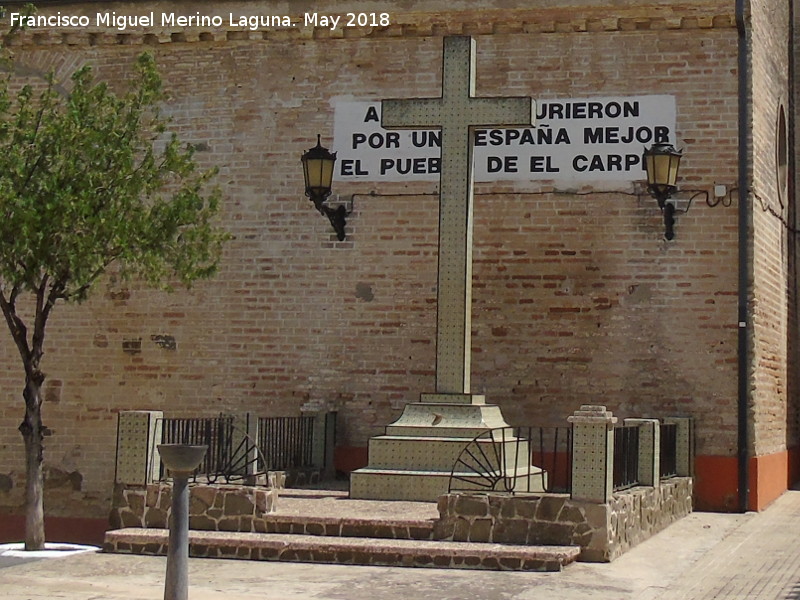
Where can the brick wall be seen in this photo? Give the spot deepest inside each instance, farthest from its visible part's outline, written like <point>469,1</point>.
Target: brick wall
<point>576,295</point>
<point>772,244</point>
<point>794,173</point>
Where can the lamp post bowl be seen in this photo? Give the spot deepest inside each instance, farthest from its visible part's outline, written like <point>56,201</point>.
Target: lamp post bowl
<point>182,458</point>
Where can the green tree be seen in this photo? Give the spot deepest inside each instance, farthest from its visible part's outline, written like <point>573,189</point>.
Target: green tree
<point>90,179</point>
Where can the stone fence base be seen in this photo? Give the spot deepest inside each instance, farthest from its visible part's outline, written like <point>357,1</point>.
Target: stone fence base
<point>603,531</point>
<point>211,507</point>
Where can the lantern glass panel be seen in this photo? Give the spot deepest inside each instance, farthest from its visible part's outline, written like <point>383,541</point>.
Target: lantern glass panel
<point>674,162</point>
<point>326,173</point>
<point>318,173</point>
<point>650,168</point>
<point>306,174</point>
<point>664,169</point>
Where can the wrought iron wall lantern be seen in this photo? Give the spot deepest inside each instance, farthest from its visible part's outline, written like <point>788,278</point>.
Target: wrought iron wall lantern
<point>318,165</point>
<point>662,161</point>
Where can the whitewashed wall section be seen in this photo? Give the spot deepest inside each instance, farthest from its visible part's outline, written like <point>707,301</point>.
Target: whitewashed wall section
<point>574,140</point>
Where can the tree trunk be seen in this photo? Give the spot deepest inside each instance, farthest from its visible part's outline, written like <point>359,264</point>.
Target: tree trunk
<point>33,434</point>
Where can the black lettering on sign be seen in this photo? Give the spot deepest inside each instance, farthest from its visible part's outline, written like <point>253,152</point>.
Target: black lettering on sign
<point>350,167</point>
<point>625,135</point>
<point>587,110</point>
<point>406,166</point>
<point>543,164</point>
<point>505,164</point>
<point>358,139</point>
<point>521,137</point>
<point>426,139</point>
<point>390,139</point>
<point>633,160</point>
<point>372,115</point>
<point>605,163</point>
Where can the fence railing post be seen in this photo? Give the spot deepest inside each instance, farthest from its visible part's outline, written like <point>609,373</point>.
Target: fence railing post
<point>649,450</point>
<point>245,426</point>
<point>138,435</point>
<point>323,441</point>
<point>684,446</point>
<point>329,470</point>
<point>592,453</point>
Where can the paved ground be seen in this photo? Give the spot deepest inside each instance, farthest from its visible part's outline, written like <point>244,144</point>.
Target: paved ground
<point>704,556</point>
<point>337,503</point>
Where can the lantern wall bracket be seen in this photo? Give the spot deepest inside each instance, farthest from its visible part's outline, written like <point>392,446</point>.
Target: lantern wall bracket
<point>683,199</point>
<point>678,202</point>
<point>337,216</point>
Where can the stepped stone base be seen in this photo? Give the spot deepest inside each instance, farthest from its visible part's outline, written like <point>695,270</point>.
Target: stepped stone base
<point>471,521</point>
<point>429,486</point>
<point>387,484</point>
<point>415,458</point>
<point>347,551</point>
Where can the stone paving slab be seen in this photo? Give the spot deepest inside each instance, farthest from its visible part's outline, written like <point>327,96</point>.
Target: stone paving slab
<point>338,504</point>
<point>705,555</point>
<point>347,527</point>
<point>758,561</point>
<point>348,550</point>
<point>653,566</point>
<point>333,513</point>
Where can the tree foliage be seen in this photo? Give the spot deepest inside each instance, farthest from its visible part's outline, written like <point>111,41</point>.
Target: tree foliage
<point>91,179</point>
<point>83,184</point>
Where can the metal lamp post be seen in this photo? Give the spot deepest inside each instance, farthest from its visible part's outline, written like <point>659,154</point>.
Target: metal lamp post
<point>181,460</point>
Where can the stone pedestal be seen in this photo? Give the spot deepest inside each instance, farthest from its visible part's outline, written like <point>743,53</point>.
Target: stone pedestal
<point>181,460</point>
<point>684,463</point>
<point>138,434</point>
<point>414,459</point>
<point>592,454</point>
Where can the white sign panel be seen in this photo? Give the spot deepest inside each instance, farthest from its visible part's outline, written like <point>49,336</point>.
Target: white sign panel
<point>574,140</point>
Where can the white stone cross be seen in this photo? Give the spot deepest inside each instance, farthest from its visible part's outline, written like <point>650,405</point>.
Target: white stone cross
<point>457,113</point>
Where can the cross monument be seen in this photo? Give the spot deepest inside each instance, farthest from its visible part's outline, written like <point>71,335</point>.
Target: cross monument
<point>457,113</point>
<point>415,457</point>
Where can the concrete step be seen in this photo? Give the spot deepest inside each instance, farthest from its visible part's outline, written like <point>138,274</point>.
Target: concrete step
<point>441,453</point>
<point>449,416</point>
<point>347,550</point>
<point>398,484</point>
<point>406,484</point>
<point>465,433</point>
<point>399,528</point>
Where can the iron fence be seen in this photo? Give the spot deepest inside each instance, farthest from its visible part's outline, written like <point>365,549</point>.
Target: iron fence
<point>515,460</point>
<point>214,432</point>
<point>668,450</point>
<point>550,449</point>
<point>286,442</point>
<point>626,457</point>
<point>539,459</point>
<point>282,443</point>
